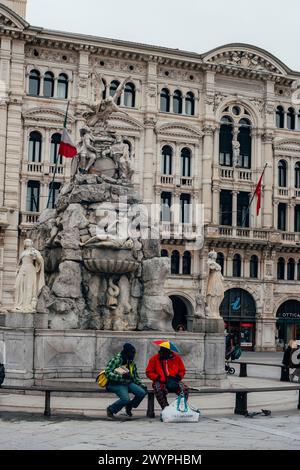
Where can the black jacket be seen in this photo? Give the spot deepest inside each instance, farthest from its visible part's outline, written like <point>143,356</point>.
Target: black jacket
<point>287,357</point>
<point>2,374</point>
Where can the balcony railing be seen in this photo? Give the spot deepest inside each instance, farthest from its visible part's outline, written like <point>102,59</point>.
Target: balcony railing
<point>170,230</point>
<point>264,235</point>
<point>235,174</point>
<point>167,179</point>
<point>60,169</point>
<point>29,218</point>
<point>35,167</point>
<point>186,181</point>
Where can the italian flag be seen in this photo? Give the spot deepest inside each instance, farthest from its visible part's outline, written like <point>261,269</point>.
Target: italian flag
<point>67,148</point>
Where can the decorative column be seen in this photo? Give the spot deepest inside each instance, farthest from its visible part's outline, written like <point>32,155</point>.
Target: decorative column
<point>207,157</point>
<point>268,180</point>
<point>230,263</point>
<point>216,206</point>
<point>291,217</point>
<point>275,209</point>
<point>234,208</point>
<point>149,158</point>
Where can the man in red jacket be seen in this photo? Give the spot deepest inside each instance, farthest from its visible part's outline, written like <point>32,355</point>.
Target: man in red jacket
<point>166,370</point>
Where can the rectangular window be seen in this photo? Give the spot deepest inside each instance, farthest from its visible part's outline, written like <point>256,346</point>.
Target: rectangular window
<point>281,217</point>
<point>297,218</point>
<point>33,196</point>
<point>185,207</point>
<point>226,208</point>
<point>53,193</point>
<point>243,218</point>
<point>166,203</point>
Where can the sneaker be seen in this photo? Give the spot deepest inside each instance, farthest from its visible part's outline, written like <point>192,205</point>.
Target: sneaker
<point>110,413</point>
<point>129,411</point>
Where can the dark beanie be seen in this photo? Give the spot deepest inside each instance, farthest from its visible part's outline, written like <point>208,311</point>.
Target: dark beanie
<point>129,348</point>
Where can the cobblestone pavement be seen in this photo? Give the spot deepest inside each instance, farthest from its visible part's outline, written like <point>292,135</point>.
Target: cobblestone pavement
<point>281,431</point>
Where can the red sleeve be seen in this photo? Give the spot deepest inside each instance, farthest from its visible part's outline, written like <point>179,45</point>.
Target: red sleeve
<point>151,370</point>
<point>181,368</point>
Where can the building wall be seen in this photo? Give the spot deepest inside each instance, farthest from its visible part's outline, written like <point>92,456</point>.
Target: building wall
<point>236,75</point>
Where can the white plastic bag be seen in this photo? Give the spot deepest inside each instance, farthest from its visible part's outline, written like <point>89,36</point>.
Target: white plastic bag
<point>180,412</point>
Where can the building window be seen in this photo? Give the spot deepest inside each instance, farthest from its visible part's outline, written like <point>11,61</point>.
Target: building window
<point>166,202</point>
<point>226,207</point>
<point>49,85</point>
<point>186,162</point>
<point>185,204</point>
<point>297,219</point>
<point>165,100</point>
<point>35,147</point>
<point>177,102</point>
<point>54,189</point>
<point>281,269</point>
<point>243,218</point>
<point>129,95</point>
<point>187,263</point>
<point>280,117</point>
<point>297,175</point>
<point>55,142</point>
<point>254,267</point>
<point>167,160</point>
<point>34,83</point>
<point>113,89</point>
<point>245,141</point>
<point>291,269</point>
<point>281,216</point>
<point>164,254</point>
<point>226,141</point>
<point>63,86</point>
<point>220,261</point>
<point>237,266</point>
<point>298,271</point>
<point>33,196</point>
<point>291,119</point>
<point>175,262</point>
<point>282,174</point>
<point>190,104</point>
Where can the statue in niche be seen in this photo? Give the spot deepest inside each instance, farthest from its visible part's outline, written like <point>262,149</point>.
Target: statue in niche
<point>236,147</point>
<point>30,279</point>
<point>215,286</point>
<point>102,108</point>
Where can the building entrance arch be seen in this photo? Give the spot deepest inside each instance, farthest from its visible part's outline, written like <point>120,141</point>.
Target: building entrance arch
<point>288,322</point>
<point>182,308</point>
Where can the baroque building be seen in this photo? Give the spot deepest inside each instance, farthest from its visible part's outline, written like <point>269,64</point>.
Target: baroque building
<point>201,127</point>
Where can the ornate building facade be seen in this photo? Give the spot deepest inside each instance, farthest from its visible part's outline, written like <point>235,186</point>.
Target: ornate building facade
<point>201,127</point>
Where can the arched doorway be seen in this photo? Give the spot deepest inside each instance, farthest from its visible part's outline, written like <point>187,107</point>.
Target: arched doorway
<point>181,307</point>
<point>288,322</point>
<point>238,310</point>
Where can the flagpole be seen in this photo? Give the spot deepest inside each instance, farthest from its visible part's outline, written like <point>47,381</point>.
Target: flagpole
<point>253,196</point>
<point>56,161</point>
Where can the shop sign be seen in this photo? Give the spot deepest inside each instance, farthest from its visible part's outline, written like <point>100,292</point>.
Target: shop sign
<point>295,316</point>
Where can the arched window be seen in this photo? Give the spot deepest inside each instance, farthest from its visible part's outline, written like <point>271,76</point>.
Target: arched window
<point>190,104</point>
<point>280,269</point>
<point>237,266</point>
<point>186,162</point>
<point>34,83</point>
<point>254,267</point>
<point>55,141</point>
<point>291,119</point>
<point>54,189</point>
<point>49,85</point>
<point>177,102</point>
<point>165,100</point>
<point>291,269</point>
<point>280,117</point>
<point>220,261</point>
<point>187,263</point>
<point>297,175</point>
<point>245,141</point>
<point>113,89</point>
<point>282,174</point>
<point>175,262</point>
<point>35,147</point>
<point>63,86</point>
<point>164,254</point>
<point>33,196</point>
<point>167,156</point>
<point>226,141</point>
<point>129,95</point>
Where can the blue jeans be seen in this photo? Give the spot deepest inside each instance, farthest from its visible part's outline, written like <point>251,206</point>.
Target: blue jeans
<point>123,393</point>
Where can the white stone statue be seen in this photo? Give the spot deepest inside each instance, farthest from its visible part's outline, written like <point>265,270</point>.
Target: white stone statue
<point>87,153</point>
<point>101,109</point>
<point>120,154</point>
<point>215,286</point>
<point>236,147</point>
<point>30,279</point>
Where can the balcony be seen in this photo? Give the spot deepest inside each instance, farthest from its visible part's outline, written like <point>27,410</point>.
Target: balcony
<point>170,180</point>
<point>28,219</point>
<point>59,171</point>
<point>235,174</point>
<point>251,234</point>
<point>171,231</point>
<point>35,167</point>
<point>167,180</point>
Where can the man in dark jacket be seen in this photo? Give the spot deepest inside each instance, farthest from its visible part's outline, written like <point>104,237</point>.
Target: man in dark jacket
<point>124,383</point>
<point>2,374</point>
<point>166,370</point>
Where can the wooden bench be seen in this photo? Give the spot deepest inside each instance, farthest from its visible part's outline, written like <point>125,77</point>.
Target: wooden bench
<point>241,395</point>
<point>244,373</point>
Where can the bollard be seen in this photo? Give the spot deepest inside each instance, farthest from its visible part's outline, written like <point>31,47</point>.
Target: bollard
<point>243,370</point>
<point>241,403</point>
<point>285,374</point>
<point>299,401</point>
<point>47,411</point>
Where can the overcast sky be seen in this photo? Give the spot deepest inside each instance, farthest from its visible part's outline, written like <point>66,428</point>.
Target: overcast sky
<point>191,25</point>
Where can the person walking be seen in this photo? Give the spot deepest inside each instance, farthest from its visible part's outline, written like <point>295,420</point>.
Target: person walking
<point>121,373</point>
<point>166,370</point>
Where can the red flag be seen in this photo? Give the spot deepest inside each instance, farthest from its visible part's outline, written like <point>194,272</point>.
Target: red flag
<point>258,193</point>
<point>67,149</point>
